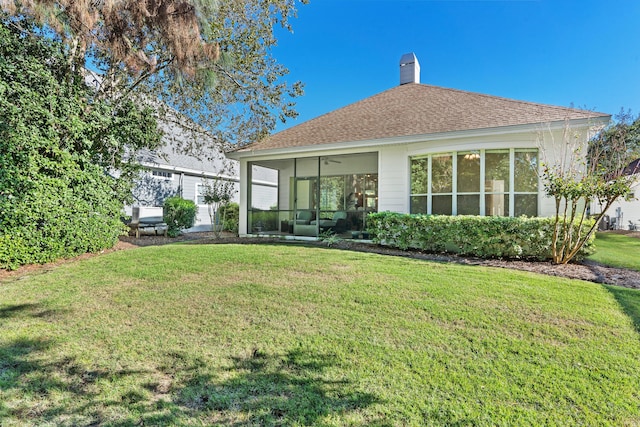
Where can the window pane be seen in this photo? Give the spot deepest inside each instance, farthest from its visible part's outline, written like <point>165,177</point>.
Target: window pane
<point>526,204</point>
<point>496,173</point>
<point>419,204</point>
<point>469,205</point>
<point>332,193</point>
<point>442,174</point>
<point>264,197</point>
<point>526,171</point>
<point>496,205</point>
<point>371,192</point>
<point>469,172</point>
<point>419,176</point>
<point>441,205</point>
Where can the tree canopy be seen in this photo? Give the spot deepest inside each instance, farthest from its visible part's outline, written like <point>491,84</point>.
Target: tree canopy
<point>208,59</point>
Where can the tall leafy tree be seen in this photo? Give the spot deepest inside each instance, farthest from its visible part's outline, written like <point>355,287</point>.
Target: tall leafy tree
<point>58,143</point>
<point>208,59</point>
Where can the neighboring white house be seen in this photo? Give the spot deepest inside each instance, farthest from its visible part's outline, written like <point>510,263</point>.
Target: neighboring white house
<point>624,214</point>
<point>414,148</point>
<point>168,172</point>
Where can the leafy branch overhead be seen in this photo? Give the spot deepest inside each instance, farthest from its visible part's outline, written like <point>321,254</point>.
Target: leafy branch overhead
<point>211,60</point>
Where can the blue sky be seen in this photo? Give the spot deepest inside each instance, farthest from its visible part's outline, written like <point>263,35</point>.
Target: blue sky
<point>560,52</point>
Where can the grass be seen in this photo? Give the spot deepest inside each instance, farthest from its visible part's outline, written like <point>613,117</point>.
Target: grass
<point>285,335</point>
<point>617,250</point>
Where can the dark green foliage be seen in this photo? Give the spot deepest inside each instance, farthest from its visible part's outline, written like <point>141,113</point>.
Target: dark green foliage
<point>56,198</point>
<point>231,214</point>
<point>484,237</point>
<point>179,214</point>
<point>264,220</point>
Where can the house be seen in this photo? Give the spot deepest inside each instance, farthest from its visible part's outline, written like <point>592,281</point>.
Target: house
<point>169,172</point>
<point>414,148</point>
<point>624,214</point>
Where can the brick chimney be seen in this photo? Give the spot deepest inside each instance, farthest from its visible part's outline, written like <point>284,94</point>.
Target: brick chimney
<point>409,69</point>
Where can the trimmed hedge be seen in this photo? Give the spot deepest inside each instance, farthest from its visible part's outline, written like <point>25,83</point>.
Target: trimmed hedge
<point>480,236</point>
<point>59,217</point>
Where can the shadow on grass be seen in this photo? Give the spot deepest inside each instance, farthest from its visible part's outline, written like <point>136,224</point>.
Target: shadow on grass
<point>32,382</point>
<point>262,389</point>
<point>629,300</point>
<point>39,385</point>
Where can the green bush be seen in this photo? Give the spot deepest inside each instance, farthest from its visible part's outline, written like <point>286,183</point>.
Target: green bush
<point>231,214</point>
<point>484,237</point>
<point>56,143</point>
<point>264,220</point>
<point>179,214</point>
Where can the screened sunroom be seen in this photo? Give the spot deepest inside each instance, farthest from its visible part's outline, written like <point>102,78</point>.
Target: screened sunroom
<point>313,196</point>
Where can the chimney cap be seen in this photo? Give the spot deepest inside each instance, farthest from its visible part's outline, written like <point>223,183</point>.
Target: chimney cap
<point>408,58</point>
<point>409,69</point>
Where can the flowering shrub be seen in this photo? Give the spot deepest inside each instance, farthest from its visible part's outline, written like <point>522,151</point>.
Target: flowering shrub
<point>481,236</point>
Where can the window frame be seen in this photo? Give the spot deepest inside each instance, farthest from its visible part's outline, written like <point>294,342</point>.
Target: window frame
<point>511,194</point>
<point>162,175</point>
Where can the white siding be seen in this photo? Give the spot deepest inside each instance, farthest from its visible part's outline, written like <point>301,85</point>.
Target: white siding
<point>624,211</point>
<point>393,179</point>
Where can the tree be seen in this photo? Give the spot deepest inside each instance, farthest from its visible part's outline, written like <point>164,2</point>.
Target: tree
<point>597,171</point>
<point>211,60</point>
<point>217,194</point>
<point>58,143</point>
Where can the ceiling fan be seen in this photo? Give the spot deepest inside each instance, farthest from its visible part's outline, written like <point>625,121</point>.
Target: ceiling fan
<point>327,160</point>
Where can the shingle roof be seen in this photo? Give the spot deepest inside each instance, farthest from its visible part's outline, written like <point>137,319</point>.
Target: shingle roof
<point>416,109</point>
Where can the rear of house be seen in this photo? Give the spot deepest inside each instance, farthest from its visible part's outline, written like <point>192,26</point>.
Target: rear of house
<point>414,148</point>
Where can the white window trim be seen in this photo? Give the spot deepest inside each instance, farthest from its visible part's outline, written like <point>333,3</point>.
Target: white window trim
<point>512,193</point>
<point>198,193</point>
<point>154,172</point>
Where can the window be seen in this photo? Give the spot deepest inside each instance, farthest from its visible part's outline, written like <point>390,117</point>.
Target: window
<point>200,194</point>
<point>479,182</point>
<point>468,183</point>
<point>496,182</point>
<point>161,174</point>
<point>441,184</point>
<point>526,182</point>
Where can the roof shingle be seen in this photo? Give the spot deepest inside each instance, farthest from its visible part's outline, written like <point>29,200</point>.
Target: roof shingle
<point>416,109</point>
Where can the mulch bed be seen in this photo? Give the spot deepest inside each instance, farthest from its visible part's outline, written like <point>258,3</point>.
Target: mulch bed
<point>588,271</point>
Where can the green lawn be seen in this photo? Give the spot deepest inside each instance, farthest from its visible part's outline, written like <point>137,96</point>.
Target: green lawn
<point>286,335</point>
<point>617,250</point>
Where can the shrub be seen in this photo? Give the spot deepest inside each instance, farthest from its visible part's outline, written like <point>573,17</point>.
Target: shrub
<point>179,214</point>
<point>231,214</point>
<point>265,220</point>
<point>61,217</point>
<point>484,237</point>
